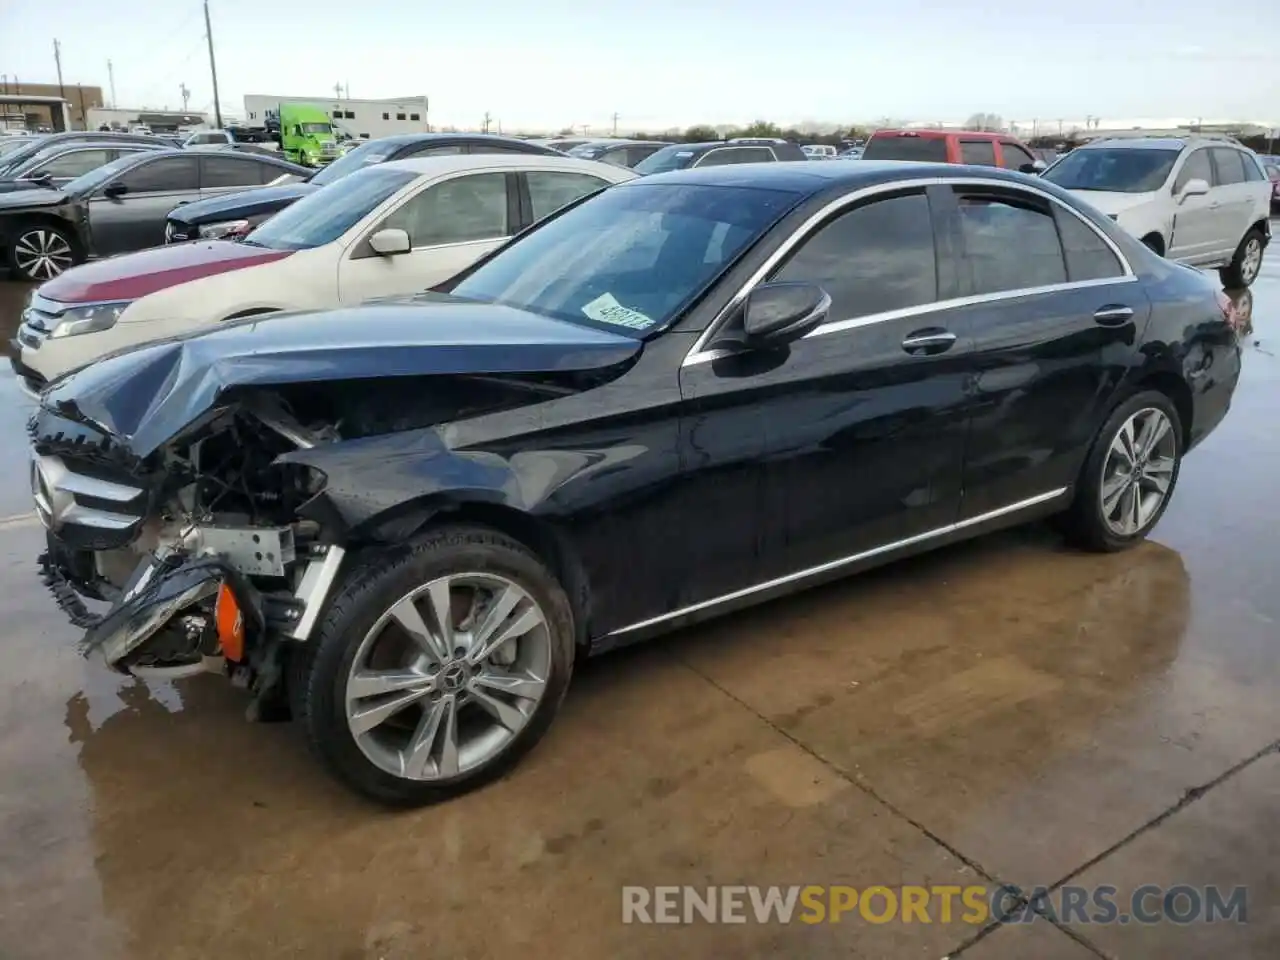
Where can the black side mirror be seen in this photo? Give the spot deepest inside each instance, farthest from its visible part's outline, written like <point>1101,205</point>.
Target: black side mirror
<point>779,312</point>
<point>44,179</point>
<point>1033,168</point>
<point>113,190</point>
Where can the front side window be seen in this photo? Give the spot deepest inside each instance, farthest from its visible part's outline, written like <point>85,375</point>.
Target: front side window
<point>723,156</point>
<point>978,152</point>
<point>873,259</point>
<point>74,164</point>
<point>1010,242</point>
<point>323,216</point>
<point>1195,167</point>
<point>629,259</point>
<point>166,175</point>
<point>465,208</point>
<point>1113,170</point>
<point>1229,165</point>
<point>549,190</point>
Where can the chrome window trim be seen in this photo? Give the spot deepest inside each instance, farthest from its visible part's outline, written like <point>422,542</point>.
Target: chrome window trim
<point>845,561</point>
<point>697,354</point>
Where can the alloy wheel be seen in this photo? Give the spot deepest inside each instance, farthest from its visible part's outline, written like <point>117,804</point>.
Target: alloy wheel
<point>42,254</point>
<point>1251,262</point>
<point>1137,472</point>
<point>447,677</point>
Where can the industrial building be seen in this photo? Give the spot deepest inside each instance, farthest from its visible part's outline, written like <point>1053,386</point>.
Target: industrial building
<point>360,119</point>
<point>34,106</point>
<point>158,121</point>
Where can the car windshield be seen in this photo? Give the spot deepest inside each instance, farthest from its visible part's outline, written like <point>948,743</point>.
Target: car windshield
<point>375,151</point>
<point>675,157</point>
<point>316,128</point>
<point>19,155</point>
<point>1119,170</point>
<point>588,151</point>
<point>95,178</point>
<point>630,259</point>
<point>327,214</point>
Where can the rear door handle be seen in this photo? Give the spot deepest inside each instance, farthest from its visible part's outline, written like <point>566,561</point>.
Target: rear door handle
<point>1113,315</point>
<point>929,340</point>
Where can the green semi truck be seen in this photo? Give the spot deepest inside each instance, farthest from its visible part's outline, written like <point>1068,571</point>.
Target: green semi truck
<point>306,135</point>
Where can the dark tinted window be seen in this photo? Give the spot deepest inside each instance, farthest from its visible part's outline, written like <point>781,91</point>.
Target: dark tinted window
<point>267,172</point>
<point>1195,167</point>
<point>166,175</point>
<point>549,190</point>
<point>721,156</point>
<point>471,207</point>
<point>1010,243</point>
<point>1229,165</point>
<point>894,147</point>
<point>1088,256</point>
<point>637,153</point>
<point>228,172</point>
<point>876,258</point>
<point>981,152</point>
<point>629,259</point>
<point>73,164</point>
<point>1015,158</point>
<point>446,150</point>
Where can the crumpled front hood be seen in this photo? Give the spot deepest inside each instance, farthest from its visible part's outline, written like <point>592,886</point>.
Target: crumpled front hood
<point>238,206</point>
<point>147,395</point>
<point>38,197</point>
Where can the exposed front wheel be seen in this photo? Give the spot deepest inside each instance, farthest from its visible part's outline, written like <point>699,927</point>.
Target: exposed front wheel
<point>1246,263</point>
<point>40,252</point>
<point>436,667</point>
<point>1129,475</point>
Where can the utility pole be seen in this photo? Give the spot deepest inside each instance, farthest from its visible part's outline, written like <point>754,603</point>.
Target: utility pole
<point>186,95</point>
<point>486,121</point>
<point>111,77</point>
<point>57,59</point>
<point>213,68</point>
<point>347,84</point>
<point>615,123</point>
<point>337,90</point>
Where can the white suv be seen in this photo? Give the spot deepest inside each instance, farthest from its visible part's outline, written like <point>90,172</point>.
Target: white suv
<point>1205,202</point>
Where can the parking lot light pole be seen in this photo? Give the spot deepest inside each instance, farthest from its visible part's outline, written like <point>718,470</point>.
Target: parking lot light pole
<point>213,68</point>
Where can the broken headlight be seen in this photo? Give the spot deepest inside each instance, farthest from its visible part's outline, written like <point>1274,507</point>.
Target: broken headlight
<point>89,318</point>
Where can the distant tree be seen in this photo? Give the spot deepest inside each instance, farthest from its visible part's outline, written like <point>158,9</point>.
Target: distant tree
<point>565,132</point>
<point>984,121</point>
<point>760,128</point>
<point>856,133</point>
<point>700,134</point>
<point>640,135</point>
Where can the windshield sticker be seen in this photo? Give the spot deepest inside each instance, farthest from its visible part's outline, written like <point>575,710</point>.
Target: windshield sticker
<point>684,153</point>
<point>605,309</point>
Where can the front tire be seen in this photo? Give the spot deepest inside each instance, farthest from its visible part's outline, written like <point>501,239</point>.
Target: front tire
<point>437,667</point>
<point>1129,476</point>
<point>40,251</point>
<point>1246,263</point>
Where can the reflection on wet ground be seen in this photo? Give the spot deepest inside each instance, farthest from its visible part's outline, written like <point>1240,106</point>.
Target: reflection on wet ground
<point>1003,711</point>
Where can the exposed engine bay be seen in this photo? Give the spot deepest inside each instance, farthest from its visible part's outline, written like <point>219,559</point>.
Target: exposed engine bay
<point>201,548</point>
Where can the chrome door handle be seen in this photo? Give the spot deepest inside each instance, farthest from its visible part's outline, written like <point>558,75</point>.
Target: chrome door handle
<point>1113,315</point>
<point>929,340</point>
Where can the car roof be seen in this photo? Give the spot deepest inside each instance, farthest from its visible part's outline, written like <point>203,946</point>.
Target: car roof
<point>1145,143</point>
<point>623,142</point>
<point>935,134</point>
<point>404,139</point>
<point>438,166</point>
<point>813,178</point>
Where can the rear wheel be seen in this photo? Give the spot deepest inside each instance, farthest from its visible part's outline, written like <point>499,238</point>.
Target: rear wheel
<point>1246,263</point>
<point>437,667</point>
<point>40,251</point>
<point>1128,478</point>
<point>1155,243</point>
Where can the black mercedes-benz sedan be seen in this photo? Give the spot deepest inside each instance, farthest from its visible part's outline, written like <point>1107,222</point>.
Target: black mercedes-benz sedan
<point>403,523</point>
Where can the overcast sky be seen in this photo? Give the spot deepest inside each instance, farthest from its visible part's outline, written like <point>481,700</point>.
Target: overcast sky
<point>659,63</point>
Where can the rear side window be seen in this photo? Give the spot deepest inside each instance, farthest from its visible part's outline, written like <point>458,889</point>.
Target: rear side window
<point>1015,158</point>
<point>726,155</point>
<point>166,175</point>
<point>894,147</point>
<point>979,152</point>
<point>549,190</point>
<point>228,172</point>
<point>873,259</point>
<point>1010,242</point>
<point>1229,165</point>
<point>1088,256</point>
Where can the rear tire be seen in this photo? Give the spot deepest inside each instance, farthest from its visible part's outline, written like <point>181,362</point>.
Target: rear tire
<point>1155,243</point>
<point>1245,264</point>
<point>1116,505</point>
<point>419,752</point>
<point>40,251</point>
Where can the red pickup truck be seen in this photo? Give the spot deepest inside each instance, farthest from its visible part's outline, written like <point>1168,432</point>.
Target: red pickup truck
<point>952,146</point>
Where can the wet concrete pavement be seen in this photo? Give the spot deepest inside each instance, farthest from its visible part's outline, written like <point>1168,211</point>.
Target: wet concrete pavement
<point>1005,711</point>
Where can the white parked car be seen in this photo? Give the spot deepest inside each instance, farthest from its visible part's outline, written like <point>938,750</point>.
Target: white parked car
<point>1202,201</point>
<point>391,229</point>
<point>819,151</point>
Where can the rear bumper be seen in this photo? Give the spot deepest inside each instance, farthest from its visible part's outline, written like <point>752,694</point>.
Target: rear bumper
<point>1213,385</point>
